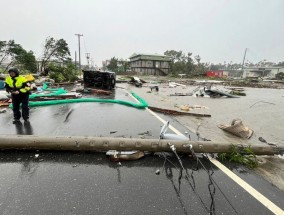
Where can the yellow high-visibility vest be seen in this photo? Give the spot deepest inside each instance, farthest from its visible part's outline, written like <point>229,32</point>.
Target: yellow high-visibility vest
<point>20,83</point>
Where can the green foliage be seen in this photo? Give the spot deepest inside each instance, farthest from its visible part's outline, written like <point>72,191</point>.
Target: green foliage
<point>280,76</point>
<point>184,64</point>
<point>5,50</point>
<point>55,50</point>
<point>245,157</point>
<point>65,73</point>
<point>17,56</point>
<point>113,65</point>
<point>27,61</point>
<point>175,55</point>
<point>231,65</point>
<point>123,65</point>
<point>199,70</point>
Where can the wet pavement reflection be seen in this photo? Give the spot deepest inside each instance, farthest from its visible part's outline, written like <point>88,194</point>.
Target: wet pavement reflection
<point>88,183</point>
<point>24,128</point>
<point>123,186</point>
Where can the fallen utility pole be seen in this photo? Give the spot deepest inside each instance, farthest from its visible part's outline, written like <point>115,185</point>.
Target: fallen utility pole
<point>81,143</point>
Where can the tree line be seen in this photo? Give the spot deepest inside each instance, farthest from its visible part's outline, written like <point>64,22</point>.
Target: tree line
<point>15,54</point>
<point>55,60</point>
<point>180,63</point>
<point>185,63</point>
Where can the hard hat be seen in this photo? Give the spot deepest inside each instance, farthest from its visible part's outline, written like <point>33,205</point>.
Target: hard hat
<point>15,70</point>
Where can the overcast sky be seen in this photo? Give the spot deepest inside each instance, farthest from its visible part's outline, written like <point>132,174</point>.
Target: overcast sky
<point>217,30</point>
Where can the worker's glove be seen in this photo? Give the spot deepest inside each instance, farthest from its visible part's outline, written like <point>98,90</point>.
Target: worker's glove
<point>15,92</point>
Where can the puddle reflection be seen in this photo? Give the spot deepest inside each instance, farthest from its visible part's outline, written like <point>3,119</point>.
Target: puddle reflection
<point>24,128</point>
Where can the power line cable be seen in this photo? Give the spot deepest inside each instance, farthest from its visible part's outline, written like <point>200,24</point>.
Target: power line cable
<point>172,147</point>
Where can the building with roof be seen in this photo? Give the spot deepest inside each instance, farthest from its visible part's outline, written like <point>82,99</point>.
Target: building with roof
<point>150,64</point>
<point>255,72</point>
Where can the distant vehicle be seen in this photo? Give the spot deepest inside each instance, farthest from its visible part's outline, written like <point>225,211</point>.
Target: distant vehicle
<point>99,79</point>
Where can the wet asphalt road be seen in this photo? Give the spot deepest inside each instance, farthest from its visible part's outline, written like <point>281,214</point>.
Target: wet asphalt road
<point>88,183</point>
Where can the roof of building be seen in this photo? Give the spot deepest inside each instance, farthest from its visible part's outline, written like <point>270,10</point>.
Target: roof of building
<point>157,57</point>
<point>264,67</point>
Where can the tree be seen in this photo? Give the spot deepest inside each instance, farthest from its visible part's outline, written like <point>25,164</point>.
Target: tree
<point>16,55</point>
<point>181,63</point>
<point>26,61</point>
<point>62,73</point>
<point>189,64</point>
<point>200,69</point>
<point>8,50</point>
<point>56,50</point>
<point>112,66</point>
<point>280,63</point>
<point>4,51</point>
<point>280,76</point>
<point>123,65</point>
<point>175,55</point>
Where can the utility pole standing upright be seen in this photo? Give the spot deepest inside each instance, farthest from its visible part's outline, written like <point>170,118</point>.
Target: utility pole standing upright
<point>88,59</point>
<point>244,75</point>
<point>75,59</point>
<point>79,35</point>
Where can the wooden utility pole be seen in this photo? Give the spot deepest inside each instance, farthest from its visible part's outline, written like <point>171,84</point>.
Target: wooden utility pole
<point>244,61</point>
<point>83,143</point>
<point>79,35</point>
<point>88,59</point>
<point>75,59</point>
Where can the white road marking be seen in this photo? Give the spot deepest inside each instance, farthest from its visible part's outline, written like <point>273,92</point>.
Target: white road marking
<point>159,118</point>
<point>163,121</point>
<point>253,192</point>
<point>257,195</point>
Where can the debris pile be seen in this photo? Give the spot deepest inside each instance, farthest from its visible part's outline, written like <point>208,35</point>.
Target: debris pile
<point>45,94</point>
<point>238,91</point>
<point>212,92</point>
<point>136,81</point>
<point>237,128</point>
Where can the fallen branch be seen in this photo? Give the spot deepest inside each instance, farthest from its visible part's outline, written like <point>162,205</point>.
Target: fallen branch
<point>174,112</point>
<point>262,102</point>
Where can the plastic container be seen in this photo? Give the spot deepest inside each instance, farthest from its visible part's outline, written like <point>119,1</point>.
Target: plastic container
<point>2,85</point>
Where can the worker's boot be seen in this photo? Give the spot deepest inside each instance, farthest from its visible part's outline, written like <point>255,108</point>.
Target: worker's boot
<point>16,121</point>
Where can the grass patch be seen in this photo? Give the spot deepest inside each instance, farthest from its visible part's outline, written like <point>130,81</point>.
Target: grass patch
<point>244,156</point>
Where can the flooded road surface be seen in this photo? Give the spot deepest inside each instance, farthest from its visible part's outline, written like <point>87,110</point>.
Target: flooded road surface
<point>45,182</point>
<point>262,110</point>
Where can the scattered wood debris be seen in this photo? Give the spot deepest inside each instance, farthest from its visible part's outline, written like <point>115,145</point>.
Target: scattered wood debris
<point>174,112</point>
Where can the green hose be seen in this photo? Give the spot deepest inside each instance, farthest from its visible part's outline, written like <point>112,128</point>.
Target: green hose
<point>141,105</point>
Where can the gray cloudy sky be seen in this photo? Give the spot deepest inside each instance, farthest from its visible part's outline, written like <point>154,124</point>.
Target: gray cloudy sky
<point>217,30</point>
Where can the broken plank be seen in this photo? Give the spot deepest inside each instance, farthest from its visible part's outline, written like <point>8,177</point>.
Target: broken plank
<point>174,112</point>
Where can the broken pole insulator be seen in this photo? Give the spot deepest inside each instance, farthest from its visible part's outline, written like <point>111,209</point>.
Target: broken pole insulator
<point>87,143</point>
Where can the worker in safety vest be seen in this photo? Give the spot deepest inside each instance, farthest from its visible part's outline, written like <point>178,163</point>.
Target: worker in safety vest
<point>19,88</point>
